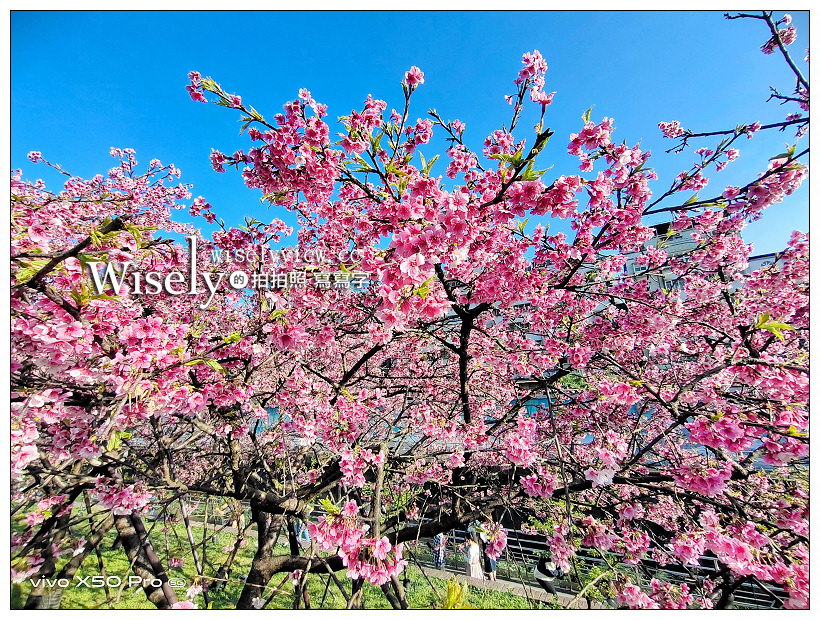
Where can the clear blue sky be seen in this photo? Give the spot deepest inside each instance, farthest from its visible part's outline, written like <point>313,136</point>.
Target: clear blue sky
<point>83,82</point>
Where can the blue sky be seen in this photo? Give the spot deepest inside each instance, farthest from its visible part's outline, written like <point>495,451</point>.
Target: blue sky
<point>83,82</point>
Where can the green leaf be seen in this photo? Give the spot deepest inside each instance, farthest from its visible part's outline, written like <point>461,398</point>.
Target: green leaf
<point>116,439</point>
<point>429,165</point>
<point>532,175</point>
<point>29,269</point>
<point>588,114</point>
<point>423,290</point>
<point>774,327</point>
<point>275,197</point>
<point>234,337</point>
<point>795,433</point>
<point>456,597</point>
<point>391,169</point>
<point>210,363</point>
<point>209,84</point>
<point>501,156</point>
<point>788,154</point>
<point>214,365</point>
<point>541,141</point>
<point>135,232</point>
<point>329,507</point>
<point>426,166</point>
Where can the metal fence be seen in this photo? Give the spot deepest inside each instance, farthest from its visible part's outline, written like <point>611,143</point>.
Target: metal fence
<point>523,551</point>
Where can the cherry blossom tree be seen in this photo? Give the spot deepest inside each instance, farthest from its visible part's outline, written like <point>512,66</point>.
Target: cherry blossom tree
<point>485,369</point>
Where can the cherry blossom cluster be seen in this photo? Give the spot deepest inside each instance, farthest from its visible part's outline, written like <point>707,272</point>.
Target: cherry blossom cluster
<point>673,384</point>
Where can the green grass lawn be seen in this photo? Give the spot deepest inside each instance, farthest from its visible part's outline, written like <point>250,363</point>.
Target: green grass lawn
<point>172,542</point>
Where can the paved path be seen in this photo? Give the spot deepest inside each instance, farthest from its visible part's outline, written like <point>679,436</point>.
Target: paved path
<point>566,599</point>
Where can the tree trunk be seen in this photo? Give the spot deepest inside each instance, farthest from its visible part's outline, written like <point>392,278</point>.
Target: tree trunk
<point>260,573</point>
<point>49,598</point>
<point>43,595</point>
<point>144,561</point>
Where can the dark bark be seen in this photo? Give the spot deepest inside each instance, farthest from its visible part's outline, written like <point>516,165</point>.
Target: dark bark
<point>43,596</point>
<point>50,598</point>
<point>260,573</point>
<point>145,563</point>
<point>390,596</point>
<point>355,601</point>
<point>224,571</point>
<point>398,588</point>
<point>727,590</point>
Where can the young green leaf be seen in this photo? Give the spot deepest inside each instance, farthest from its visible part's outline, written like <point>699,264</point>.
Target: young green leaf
<point>774,327</point>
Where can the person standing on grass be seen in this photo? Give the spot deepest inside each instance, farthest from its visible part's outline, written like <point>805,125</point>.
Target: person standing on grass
<point>302,533</point>
<point>440,550</point>
<point>490,565</point>
<point>473,557</point>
